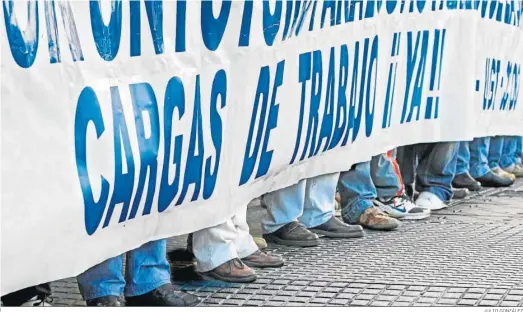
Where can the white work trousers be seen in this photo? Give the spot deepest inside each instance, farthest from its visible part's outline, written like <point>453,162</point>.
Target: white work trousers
<point>216,245</point>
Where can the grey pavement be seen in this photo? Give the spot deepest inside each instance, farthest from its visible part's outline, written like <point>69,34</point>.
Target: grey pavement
<point>469,254</point>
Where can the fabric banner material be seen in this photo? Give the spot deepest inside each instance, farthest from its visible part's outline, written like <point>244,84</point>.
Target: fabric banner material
<point>130,121</point>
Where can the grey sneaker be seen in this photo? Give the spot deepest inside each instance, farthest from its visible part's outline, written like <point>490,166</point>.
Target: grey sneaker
<point>516,169</point>
<point>460,193</point>
<point>391,207</point>
<point>502,173</point>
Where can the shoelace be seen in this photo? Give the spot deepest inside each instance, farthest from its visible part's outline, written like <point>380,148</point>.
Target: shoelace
<point>378,213</point>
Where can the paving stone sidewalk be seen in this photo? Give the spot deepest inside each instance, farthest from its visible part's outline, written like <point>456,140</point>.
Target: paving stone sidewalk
<point>469,254</point>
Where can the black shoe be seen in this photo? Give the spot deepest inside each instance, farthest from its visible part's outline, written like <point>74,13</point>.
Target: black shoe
<point>232,271</point>
<point>335,228</point>
<point>106,301</point>
<point>164,296</point>
<point>465,181</point>
<point>493,180</point>
<point>293,234</point>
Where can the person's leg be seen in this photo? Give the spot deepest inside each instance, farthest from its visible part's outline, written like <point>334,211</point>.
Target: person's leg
<point>407,161</point>
<point>495,155</point>
<point>511,159</point>
<point>147,268</point>
<point>462,164</point>
<point>318,213</point>
<point>243,241</point>
<point>435,174</point>
<point>357,191</point>
<point>280,224</point>
<point>283,206</point>
<point>510,162</point>
<point>392,156</point>
<point>508,155</point>
<point>214,246</point>
<point>248,250</point>
<point>386,176</point>
<point>462,178</point>
<point>319,200</point>
<point>217,255</point>
<point>479,149</point>
<point>103,280</point>
<point>479,165</point>
<point>148,278</point>
<point>357,195</point>
<point>495,151</point>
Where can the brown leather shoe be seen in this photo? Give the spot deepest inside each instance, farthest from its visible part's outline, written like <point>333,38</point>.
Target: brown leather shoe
<point>375,219</point>
<point>232,271</point>
<point>260,259</point>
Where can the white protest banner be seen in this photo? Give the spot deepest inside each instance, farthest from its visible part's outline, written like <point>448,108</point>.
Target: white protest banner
<point>130,121</point>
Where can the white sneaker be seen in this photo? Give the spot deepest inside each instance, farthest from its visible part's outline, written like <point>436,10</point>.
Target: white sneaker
<point>390,208</point>
<point>413,211</point>
<point>430,201</point>
<point>38,301</point>
<point>405,209</point>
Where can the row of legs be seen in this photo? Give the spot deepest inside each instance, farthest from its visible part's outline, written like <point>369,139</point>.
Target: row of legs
<point>310,202</point>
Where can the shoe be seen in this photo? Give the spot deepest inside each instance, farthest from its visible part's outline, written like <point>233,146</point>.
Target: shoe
<point>502,173</point>
<point>490,179</point>
<point>334,228</point>
<point>293,234</point>
<point>166,295</point>
<point>260,259</point>
<point>460,193</point>
<point>106,301</point>
<point>38,301</point>
<point>430,201</point>
<point>260,242</point>
<point>375,219</point>
<point>413,212</point>
<point>232,271</point>
<point>390,207</point>
<point>466,181</point>
<point>515,169</point>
